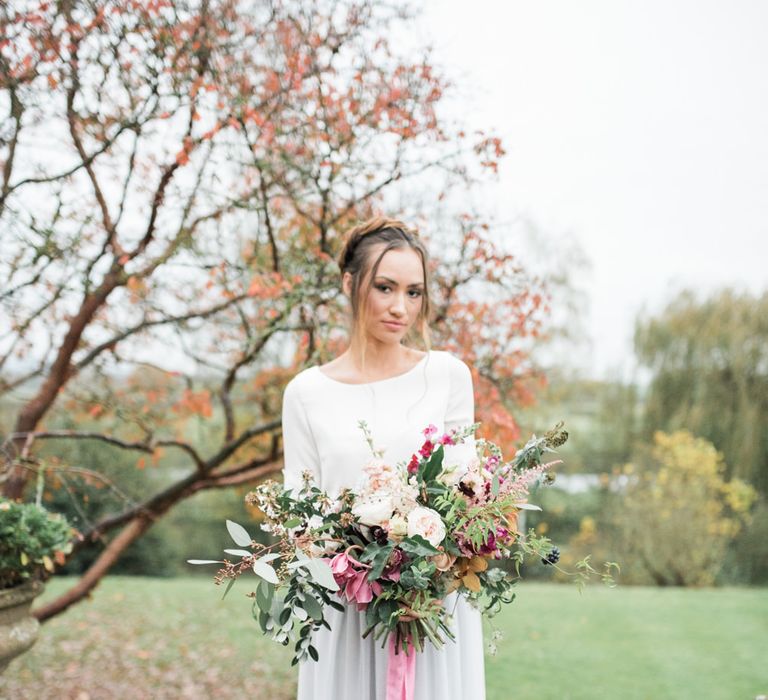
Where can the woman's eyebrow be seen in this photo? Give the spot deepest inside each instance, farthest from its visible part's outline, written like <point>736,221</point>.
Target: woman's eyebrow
<point>391,281</point>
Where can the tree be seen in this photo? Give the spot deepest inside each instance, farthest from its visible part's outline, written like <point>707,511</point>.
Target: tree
<point>709,365</point>
<point>678,514</point>
<point>175,179</point>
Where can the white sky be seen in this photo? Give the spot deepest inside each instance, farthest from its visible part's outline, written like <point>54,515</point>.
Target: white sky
<point>639,127</point>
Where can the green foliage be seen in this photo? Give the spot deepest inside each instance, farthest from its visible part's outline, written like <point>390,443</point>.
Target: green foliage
<point>747,558</point>
<point>709,361</point>
<point>678,514</point>
<point>31,539</point>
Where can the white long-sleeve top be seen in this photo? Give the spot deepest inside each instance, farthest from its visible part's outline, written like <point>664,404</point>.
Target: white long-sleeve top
<point>321,416</point>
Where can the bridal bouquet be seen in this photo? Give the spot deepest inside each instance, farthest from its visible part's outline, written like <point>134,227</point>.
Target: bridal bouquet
<point>396,546</point>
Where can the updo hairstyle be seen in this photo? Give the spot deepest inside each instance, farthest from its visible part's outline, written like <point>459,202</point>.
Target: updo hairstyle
<point>356,257</point>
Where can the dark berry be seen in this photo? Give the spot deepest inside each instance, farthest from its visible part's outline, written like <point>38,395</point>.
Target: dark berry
<point>379,534</point>
<point>552,558</point>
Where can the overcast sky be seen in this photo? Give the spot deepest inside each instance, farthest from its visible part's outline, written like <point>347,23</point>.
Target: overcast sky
<point>641,128</point>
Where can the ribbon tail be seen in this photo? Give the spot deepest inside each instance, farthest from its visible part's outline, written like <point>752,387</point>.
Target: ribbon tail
<point>401,671</point>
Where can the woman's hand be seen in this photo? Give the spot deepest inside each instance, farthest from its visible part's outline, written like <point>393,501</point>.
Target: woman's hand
<point>411,615</point>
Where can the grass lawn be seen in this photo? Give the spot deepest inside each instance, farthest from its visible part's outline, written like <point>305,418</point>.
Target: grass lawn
<point>173,638</point>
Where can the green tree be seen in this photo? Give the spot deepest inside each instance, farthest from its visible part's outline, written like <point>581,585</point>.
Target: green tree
<point>709,365</point>
<point>678,514</point>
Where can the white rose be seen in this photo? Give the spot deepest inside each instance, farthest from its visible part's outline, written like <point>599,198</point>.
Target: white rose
<point>398,526</point>
<point>427,523</point>
<point>374,511</point>
<point>451,476</point>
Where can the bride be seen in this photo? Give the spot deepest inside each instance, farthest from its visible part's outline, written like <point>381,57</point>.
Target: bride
<point>395,388</point>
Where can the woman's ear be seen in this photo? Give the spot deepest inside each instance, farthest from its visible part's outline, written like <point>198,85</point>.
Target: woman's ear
<point>346,284</point>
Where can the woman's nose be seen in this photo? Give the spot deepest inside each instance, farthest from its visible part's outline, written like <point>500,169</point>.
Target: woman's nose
<point>398,304</point>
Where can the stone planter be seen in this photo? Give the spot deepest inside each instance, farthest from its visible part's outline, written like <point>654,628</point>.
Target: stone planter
<point>18,628</point>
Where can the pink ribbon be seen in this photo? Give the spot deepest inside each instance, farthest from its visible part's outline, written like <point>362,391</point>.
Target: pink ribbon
<point>401,671</point>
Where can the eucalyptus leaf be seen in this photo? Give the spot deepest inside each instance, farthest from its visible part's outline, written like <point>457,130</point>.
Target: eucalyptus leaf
<point>270,557</point>
<point>526,506</point>
<point>264,594</point>
<point>239,552</point>
<point>277,607</point>
<point>321,573</point>
<point>238,533</point>
<point>204,561</point>
<point>266,572</point>
<point>313,608</point>
<point>229,587</point>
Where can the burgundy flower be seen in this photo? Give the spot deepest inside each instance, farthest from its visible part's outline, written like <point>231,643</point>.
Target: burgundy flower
<point>489,545</point>
<point>413,465</point>
<point>394,564</point>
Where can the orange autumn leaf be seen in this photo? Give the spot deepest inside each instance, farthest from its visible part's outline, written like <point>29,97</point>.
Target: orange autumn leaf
<point>478,564</point>
<point>471,581</point>
<point>192,402</point>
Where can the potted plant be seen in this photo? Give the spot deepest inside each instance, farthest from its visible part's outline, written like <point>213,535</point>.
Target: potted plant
<point>32,540</point>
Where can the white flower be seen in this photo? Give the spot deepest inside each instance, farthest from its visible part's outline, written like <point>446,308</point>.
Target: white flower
<point>378,476</point>
<point>314,522</point>
<point>374,511</point>
<point>473,480</point>
<point>427,523</point>
<point>316,550</point>
<point>398,526</point>
<point>451,476</point>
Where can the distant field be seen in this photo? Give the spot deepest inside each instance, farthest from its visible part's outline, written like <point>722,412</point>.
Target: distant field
<point>172,638</point>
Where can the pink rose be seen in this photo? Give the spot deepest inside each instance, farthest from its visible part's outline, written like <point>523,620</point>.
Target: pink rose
<point>428,524</point>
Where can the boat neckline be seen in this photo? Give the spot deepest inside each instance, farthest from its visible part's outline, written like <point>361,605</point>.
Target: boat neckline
<point>378,381</point>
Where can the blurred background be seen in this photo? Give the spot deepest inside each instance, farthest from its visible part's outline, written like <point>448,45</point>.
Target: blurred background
<point>590,180</point>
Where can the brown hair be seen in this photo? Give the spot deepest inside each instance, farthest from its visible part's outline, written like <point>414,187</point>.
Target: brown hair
<point>355,258</point>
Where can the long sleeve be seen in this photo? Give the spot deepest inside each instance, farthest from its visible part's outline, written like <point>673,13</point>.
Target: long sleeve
<point>460,412</point>
<point>299,447</point>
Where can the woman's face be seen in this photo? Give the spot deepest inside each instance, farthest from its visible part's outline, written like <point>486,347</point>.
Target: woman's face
<point>396,296</point>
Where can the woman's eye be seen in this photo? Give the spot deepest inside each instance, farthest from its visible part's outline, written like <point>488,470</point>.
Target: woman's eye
<point>414,293</point>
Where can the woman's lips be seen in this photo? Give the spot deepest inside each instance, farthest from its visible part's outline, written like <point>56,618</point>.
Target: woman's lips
<point>393,325</point>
